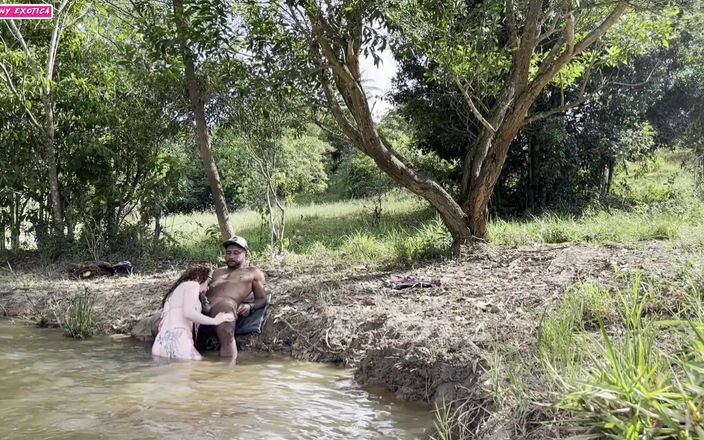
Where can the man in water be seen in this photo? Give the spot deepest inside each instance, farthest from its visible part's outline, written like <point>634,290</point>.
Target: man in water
<point>230,286</point>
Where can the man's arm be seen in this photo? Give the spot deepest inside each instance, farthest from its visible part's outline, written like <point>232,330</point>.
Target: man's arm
<point>258,287</point>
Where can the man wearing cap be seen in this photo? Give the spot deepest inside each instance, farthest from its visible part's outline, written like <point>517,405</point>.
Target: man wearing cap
<point>230,286</point>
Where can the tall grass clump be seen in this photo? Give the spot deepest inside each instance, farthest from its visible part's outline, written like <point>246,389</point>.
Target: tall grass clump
<point>79,320</point>
<point>362,247</point>
<point>560,334</point>
<point>428,241</point>
<point>632,386</point>
<point>449,423</point>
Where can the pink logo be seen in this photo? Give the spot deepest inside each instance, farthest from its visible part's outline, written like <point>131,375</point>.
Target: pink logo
<point>26,12</point>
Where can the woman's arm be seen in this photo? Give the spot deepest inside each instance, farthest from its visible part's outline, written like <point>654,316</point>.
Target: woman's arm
<point>191,301</point>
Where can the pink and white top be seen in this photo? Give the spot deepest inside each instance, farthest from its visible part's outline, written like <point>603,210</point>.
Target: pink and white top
<point>182,311</point>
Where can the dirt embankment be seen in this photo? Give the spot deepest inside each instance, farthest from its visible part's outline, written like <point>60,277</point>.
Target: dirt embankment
<point>421,343</point>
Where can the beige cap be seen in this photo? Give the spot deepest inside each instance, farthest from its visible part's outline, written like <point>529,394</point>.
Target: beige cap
<point>239,241</point>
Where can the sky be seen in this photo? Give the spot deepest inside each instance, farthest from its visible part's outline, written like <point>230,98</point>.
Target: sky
<point>377,82</point>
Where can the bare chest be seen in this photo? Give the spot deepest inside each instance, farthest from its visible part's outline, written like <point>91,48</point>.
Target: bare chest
<point>233,285</point>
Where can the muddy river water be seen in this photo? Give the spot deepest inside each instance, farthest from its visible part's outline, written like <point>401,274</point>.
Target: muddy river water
<point>53,387</point>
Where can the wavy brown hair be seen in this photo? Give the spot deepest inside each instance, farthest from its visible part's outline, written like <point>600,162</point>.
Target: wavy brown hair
<point>198,273</point>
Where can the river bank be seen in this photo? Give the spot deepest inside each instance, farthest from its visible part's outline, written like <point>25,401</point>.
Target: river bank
<point>423,344</point>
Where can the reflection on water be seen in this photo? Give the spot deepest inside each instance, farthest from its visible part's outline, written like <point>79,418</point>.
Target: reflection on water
<point>52,387</point>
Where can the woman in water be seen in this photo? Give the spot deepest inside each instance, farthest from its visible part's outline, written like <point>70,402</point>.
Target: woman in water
<point>181,309</point>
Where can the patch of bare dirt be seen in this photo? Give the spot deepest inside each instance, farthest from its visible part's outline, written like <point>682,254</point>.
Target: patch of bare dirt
<point>421,343</point>
<point>431,343</point>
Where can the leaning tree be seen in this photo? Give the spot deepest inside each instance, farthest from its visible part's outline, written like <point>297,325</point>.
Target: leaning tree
<point>501,55</point>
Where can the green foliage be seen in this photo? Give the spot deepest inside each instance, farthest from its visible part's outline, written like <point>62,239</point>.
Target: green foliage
<point>270,168</point>
<point>584,306</point>
<point>111,126</point>
<point>357,176</point>
<point>79,317</point>
<point>630,388</point>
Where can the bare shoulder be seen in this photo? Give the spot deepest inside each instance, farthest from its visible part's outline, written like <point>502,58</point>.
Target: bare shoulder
<point>256,272</point>
<point>189,287</point>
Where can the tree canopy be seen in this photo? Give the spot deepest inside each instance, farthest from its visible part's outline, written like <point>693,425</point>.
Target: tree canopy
<point>498,104</point>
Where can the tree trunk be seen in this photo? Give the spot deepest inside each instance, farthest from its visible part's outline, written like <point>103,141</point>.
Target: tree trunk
<point>532,168</point>
<point>481,185</point>
<point>202,138</point>
<point>52,167</point>
<point>157,228</point>
<point>609,176</point>
<point>15,222</point>
<point>111,225</point>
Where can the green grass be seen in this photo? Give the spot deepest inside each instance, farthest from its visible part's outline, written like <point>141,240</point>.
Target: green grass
<point>637,380</point>
<point>653,200</point>
<point>606,362</point>
<point>341,232</point>
<point>584,306</point>
<point>79,319</point>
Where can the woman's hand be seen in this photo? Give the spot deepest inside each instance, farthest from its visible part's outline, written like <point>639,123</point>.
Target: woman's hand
<point>224,317</point>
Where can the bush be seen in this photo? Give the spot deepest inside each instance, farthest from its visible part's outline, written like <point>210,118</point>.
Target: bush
<point>357,176</point>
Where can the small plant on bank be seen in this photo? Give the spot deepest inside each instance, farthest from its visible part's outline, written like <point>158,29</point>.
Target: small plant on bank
<point>584,305</point>
<point>449,422</point>
<point>39,313</point>
<point>80,316</point>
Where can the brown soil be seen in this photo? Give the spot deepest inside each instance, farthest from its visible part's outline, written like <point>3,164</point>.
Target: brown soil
<point>423,344</point>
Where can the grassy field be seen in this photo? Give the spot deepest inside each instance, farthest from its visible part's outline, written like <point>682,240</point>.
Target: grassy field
<point>656,200</point>
<point>343,232</point>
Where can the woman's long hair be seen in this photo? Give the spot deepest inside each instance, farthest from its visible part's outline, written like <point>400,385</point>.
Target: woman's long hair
<point>198,273</point>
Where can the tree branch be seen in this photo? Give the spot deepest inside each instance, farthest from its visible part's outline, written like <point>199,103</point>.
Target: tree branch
<point>563,108</point>
<point>337,112</point>
<point>18,36</point>
<point>526,45</point>
<point>11,85</point>
<point>475,111</point>
<point>512,26</point>
<point>599,32</point>
<point>549,69</point>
